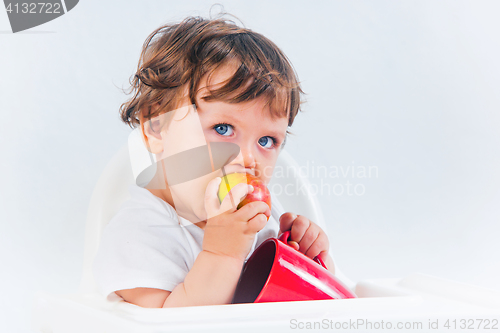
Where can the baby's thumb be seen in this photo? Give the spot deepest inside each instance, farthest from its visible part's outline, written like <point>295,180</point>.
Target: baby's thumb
<point>234,197</point>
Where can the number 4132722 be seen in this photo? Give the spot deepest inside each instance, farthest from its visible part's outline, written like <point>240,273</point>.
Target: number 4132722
<point>484,324</point>
<point>34,8</point>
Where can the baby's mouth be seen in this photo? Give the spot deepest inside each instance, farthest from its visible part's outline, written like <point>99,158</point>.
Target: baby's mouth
<point>232,168</point>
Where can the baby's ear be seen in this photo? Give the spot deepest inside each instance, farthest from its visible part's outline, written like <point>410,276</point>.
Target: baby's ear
<point>284,141</point>
<point>151,134</point>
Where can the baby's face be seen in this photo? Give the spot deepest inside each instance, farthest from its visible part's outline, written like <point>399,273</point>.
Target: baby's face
<point>248,125</point>
<point>251,128</point>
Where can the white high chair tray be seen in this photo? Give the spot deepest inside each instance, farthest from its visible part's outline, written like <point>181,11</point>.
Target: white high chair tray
<point>416,298</point>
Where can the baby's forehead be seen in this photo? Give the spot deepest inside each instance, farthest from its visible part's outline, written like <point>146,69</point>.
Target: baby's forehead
<point>226,84</point>
<point>256,108</point>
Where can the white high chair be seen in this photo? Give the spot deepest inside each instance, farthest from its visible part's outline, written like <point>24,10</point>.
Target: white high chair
<point>416,298</point>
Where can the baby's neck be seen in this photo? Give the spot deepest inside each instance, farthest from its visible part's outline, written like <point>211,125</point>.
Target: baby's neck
<point>166,196</point>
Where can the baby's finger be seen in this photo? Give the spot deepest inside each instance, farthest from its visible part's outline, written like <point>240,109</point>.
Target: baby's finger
<point>286,221</point>
<point>257,223</point>
<point>320,245</point>
<point>250,210</point>
<point>294,244</point>
<point>234,197</point>
<point>309,237</point>
<point>324,256</point>
<point>299,228</point>
<point>211,200</point>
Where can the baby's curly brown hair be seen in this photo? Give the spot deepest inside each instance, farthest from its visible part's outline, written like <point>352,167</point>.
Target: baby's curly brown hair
<point>175,57</point>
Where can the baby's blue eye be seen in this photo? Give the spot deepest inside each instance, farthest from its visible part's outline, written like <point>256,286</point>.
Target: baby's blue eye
<point>223,129</point>
<point>266,142</point>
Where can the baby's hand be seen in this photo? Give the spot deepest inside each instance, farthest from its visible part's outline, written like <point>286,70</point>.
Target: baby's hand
<point>228,231</point>
<point>305,235</point>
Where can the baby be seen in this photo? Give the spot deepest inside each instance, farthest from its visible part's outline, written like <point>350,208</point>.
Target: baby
<point>210,98</point>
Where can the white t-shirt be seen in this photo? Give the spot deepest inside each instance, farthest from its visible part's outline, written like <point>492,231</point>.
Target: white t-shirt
<point>146,244</point>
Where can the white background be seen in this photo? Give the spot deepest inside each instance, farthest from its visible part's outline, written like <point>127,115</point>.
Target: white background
<point>411,87</point>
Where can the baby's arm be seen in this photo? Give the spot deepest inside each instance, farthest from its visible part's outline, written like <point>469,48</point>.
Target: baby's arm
<point>211,280</point>
<point>228,238</point>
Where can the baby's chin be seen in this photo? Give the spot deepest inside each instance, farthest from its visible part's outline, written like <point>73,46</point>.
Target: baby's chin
<point>192,213</point>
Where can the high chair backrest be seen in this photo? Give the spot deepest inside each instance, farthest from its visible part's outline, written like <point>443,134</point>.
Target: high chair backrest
<point>290,188</point>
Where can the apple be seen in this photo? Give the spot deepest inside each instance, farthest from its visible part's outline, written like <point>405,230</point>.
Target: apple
<point>260,191</point>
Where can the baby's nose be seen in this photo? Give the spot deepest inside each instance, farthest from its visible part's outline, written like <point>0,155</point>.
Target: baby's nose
<point>247,158</point>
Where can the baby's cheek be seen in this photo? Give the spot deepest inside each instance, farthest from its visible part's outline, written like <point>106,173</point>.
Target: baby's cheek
<point>202,182</point>
<point>265,173</point>
<point>190,196</point>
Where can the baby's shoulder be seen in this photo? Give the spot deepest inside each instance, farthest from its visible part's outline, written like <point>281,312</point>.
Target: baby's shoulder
<point>143,209</point>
